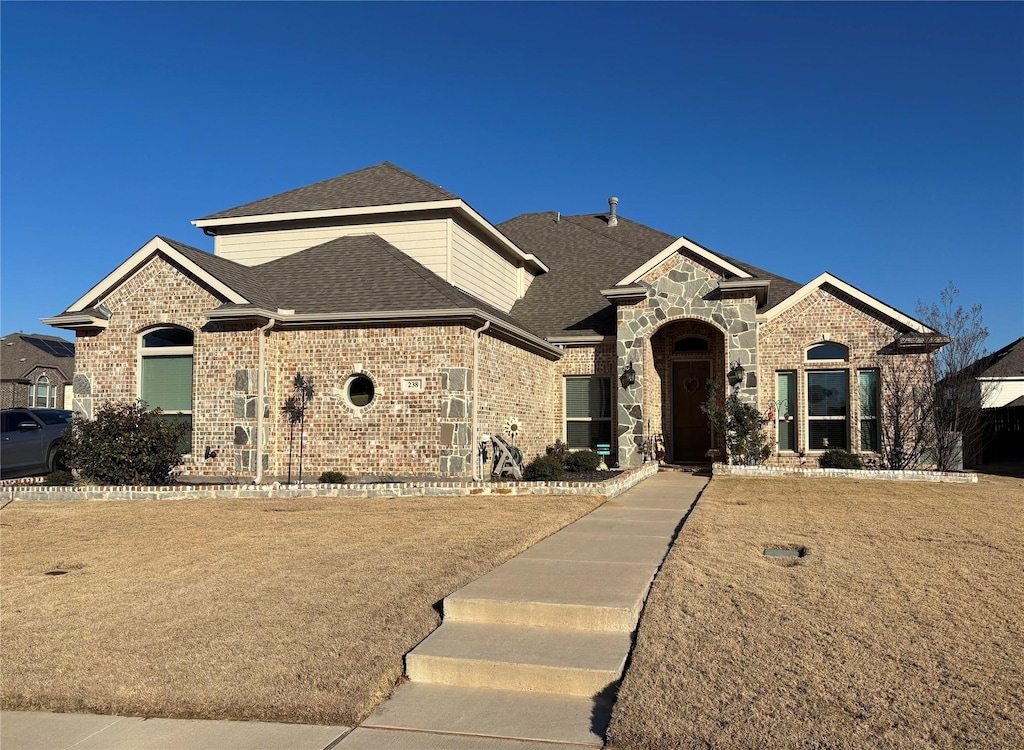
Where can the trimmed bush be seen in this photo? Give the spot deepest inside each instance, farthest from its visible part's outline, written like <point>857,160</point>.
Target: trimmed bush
<point>837,458</point>
<point>582,461</point>
<point>543,469</point>
<point>59,478</point>
<point>125,444</point>
<point>333,477</point>
<point>558,451</point>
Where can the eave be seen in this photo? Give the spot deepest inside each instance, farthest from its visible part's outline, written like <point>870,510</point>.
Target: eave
<point>683,243</point>
<point>287,319</point>
<point>757,287</point>
<point>631,293</point>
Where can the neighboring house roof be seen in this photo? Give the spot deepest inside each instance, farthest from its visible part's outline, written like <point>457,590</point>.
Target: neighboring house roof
<point>1008,362</point>
<point>381,185</point>
<point>586,255</point>
<point>20,353</point>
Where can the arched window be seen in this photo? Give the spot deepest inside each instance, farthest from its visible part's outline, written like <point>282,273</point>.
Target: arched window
<point>165,374</point>
<point>44,395</point>
<point>691,344</point>
<point>827,350</point>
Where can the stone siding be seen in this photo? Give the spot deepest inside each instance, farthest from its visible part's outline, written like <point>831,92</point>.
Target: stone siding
<point>904,476</point>
<point>609,489</point>
<point>678,289</point>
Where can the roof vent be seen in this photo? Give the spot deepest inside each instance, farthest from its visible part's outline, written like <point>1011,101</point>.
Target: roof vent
<point>613,220</point>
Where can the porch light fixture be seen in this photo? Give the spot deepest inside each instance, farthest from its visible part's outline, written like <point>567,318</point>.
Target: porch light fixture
<point>736,375</point>
<point>628,376</point>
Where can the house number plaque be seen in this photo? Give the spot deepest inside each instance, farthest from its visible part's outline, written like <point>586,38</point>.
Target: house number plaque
<point>412,385</point>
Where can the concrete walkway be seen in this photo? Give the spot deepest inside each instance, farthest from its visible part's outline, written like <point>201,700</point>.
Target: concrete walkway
<point>527,657</point>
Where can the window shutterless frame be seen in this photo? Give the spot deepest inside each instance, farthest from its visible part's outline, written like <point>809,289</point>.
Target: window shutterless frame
<point>588,411</point>
<point>165,379</point>
<point>828,409</point>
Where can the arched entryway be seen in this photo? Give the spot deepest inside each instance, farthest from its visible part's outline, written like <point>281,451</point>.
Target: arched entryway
<point>686,355</point>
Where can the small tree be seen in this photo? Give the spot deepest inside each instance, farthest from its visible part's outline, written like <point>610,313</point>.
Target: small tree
<point>125,444</point>
<point>295,410</point>
<point>958,401</point>
<point>742,425</point>
<point>906,397</point>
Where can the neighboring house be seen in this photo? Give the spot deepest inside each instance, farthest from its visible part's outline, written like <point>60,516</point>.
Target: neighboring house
<point>1000,391</point>
<point>425,327</point>
<point>35,370</point>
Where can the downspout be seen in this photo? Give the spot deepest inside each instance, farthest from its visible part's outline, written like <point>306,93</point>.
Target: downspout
<point>264,333</point>
<point>476,399</point>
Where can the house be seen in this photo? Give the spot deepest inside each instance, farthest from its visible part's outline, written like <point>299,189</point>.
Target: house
<point>424,327</point>
<point>35,371</point>
<point>1000,393</point>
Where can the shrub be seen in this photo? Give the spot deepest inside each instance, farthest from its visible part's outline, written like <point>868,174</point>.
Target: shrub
<point>125,444</point>
<point>742,425</point>
<point>59,478</point>
<point>333,477</point>
<point>582,461</point>
<point>543,469</point>
<point>837,458</point>
<point>558,451</point>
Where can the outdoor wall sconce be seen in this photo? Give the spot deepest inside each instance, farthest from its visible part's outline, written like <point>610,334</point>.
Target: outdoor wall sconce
<point>736,375</point>
<point>628,376</point>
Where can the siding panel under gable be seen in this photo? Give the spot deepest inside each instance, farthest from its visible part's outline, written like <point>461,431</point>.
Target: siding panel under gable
<point>479,270</point>
<point>425,241</point>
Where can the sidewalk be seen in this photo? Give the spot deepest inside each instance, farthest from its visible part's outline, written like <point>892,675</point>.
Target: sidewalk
<point>527,657</point>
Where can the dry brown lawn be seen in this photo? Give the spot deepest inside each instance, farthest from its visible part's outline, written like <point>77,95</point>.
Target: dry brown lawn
<point>291,610</point>
<point>902,627</point>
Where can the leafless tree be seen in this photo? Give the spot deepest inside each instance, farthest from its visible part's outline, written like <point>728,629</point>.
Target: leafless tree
<point>906,414</point>
<point>957,402</point>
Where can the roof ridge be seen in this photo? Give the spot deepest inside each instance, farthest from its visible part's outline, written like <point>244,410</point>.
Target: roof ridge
<point>414,176</point>
<point>613,239</point>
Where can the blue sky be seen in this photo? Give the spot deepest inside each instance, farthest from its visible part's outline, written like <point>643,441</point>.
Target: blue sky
<point>883,143</point>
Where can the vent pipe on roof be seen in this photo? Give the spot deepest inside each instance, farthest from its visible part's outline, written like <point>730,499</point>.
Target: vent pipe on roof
<point>613,220</point>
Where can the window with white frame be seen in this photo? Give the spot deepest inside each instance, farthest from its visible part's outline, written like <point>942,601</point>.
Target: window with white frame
<point>42,395</point>
<point>165,375</point>
<point>828,402</point>
<point>785,394</point>
<point>867,381</point>
<point>588,412</point>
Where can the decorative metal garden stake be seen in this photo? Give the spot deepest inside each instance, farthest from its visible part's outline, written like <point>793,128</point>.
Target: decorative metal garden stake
<point>295,408</point>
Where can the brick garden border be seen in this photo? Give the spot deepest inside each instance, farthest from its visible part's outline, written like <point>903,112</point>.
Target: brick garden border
<point>428,488</point>
<point>727,470</point>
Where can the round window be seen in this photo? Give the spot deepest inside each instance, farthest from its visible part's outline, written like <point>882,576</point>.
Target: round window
<point>360,390</point>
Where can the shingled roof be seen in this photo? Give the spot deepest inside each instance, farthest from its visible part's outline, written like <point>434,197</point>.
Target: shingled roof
<point>586,255</point>
<point>381,185</point>
<point>1007,362</point>
<point>22,352</point>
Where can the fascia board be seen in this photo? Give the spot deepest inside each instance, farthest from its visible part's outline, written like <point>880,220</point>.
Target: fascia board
<point>73,322</point>
<point>578,340</point>
<point>675,247</point>
<point>624,292</point>
<point>329,213</point>
<point>534,343</point>
<point>827,278</point>
<point>140,256</point>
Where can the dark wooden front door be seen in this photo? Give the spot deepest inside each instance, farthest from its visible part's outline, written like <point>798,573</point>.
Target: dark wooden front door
<point>691,433</point>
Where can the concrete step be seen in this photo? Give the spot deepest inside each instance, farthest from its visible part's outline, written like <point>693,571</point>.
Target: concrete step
<point>371,738</point>
<point>566,594</point>
<point>514,657</point>
<point>486,713</point>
